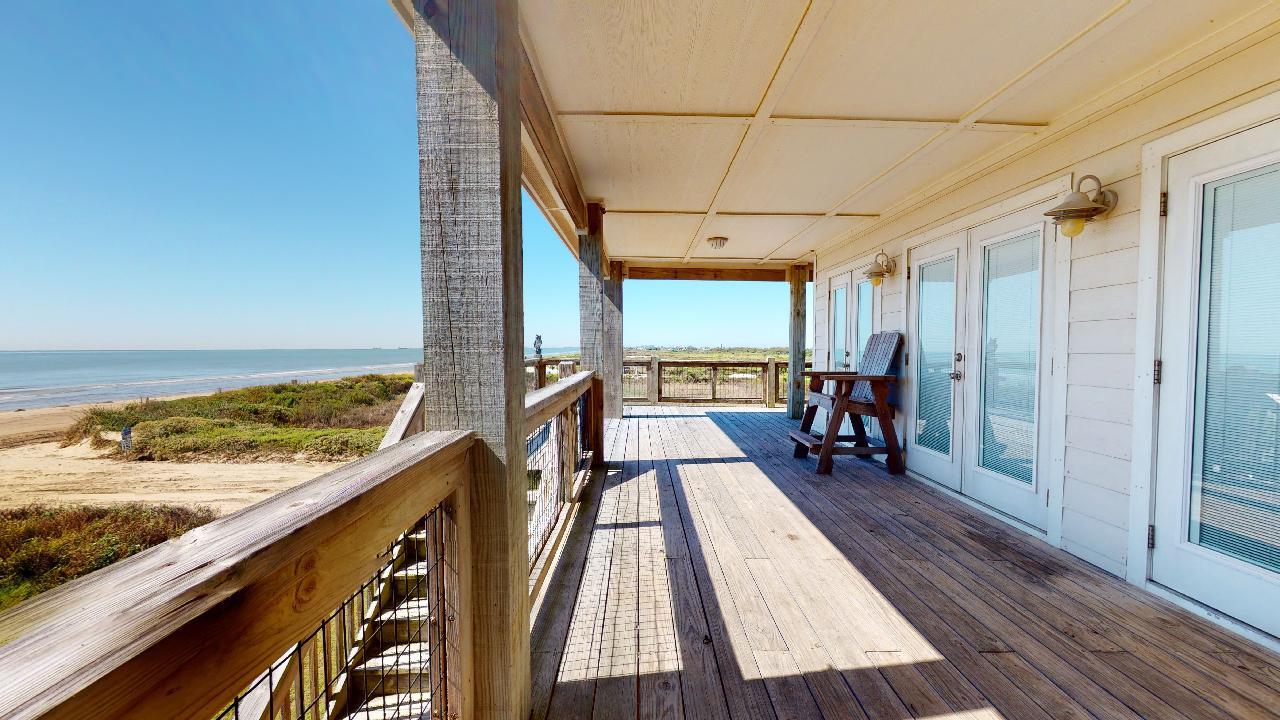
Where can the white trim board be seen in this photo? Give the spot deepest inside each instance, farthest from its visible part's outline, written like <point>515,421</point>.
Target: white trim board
<point>1155,155</point>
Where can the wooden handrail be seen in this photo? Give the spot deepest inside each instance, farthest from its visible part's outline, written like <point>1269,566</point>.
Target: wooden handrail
<point>408,419</point>
<point>713,363</point>
<point>176,630</point>
<point>545,403</point>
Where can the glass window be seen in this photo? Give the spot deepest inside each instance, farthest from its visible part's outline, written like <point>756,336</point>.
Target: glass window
<point>839,327</point>
<point>936,328</point>
<point>864,319</point>
<point>1010,345</point>
<point>1235,488</point>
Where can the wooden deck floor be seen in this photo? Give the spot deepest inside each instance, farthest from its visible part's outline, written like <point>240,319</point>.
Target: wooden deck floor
<point>711,575</point>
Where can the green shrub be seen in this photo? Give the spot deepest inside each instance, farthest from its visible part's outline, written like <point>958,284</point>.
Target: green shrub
<point>43,546</point>
<point>332,420</point>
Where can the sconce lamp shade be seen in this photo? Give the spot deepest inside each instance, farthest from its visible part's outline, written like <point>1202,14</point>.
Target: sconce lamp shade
<point>1077,208</point>
<point>882,267</point>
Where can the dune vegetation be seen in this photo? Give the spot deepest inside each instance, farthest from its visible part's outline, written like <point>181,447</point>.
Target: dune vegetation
<point>44,546</point>
<point>331,420</point>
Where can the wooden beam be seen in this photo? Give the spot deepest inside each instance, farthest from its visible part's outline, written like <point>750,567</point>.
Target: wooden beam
<point>798,276</point>
<point>649,118</point>
<point>540,124</point>
<point>707,273</point>
<point>469,160</point>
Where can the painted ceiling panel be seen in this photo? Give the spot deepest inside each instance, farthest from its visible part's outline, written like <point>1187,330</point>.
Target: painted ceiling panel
<point>810,168</point>
<point>669,56</point>
<point>661,236</point>
<point>651,165</point>
<point>749,236</point>
<point>927,60</point>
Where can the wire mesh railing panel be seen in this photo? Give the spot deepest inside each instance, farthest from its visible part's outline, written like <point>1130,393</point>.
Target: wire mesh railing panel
<point>546,482</point>
<point>684,382</point>
<point>635,382</point>
<point>740,383</point>
<point>383,653</point>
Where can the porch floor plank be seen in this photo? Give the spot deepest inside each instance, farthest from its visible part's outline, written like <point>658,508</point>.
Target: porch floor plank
<point>719,577</point>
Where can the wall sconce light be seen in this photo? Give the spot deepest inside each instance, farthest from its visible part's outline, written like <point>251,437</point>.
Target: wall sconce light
<point>882,267</point>
<point>1076,208</point>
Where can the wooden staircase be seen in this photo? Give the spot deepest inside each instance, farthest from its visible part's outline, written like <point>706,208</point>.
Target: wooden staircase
<point>391,675</point>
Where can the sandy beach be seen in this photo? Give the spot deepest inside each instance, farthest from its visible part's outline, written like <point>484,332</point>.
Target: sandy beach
<point>33,468</point>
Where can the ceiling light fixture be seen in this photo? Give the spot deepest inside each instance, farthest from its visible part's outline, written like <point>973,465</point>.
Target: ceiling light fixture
<point>1077,208</point>
<point>882,267</point>
<point>717,242</point>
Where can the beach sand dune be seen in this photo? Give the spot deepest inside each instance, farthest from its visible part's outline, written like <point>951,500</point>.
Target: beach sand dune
<point>43,472</point>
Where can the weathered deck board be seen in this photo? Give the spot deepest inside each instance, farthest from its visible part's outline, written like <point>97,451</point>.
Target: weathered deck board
<point>723,578</point>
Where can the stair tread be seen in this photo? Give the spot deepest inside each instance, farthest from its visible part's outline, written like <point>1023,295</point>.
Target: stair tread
<point>408,609</point>
<point>399,658</point>
<point>402,706</point>
<point>417,569</point>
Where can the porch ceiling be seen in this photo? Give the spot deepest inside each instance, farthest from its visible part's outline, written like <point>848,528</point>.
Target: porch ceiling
<point>791,124</point>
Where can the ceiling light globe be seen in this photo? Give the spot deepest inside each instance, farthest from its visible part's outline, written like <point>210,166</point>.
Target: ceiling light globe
<point>1071,227</point>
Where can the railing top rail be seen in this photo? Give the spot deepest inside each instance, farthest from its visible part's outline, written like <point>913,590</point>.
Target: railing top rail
<point>713,363</point>
<point>176,630</point>
<point>405,416</point>
<point>545,403</point>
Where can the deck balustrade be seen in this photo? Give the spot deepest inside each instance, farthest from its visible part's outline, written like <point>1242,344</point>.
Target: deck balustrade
<point>346,596</point>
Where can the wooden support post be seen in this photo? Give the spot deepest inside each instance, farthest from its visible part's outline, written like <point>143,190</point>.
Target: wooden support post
<point>655,380</point>
<point>595,422</point>
<point>469,165</point>
<point>540,373</point>
<point>798,276</point>
<point>565,368</point>
<point>770,382</point>
<point>712,370</point>
<point>591,291</point>
<point>611,339</point>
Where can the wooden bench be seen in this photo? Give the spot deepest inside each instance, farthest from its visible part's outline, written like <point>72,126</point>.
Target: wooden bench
<point>855,394</point>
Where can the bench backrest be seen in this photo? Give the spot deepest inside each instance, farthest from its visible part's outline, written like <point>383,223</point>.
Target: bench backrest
<point>880,357</point>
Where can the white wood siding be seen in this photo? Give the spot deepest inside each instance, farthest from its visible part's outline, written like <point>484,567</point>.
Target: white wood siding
<point>1104,263</point>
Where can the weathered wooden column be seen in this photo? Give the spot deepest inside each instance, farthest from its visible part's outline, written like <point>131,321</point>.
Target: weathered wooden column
<point>472,308</point>
<point>612,340</point>
<point>770,382</point>
<point>654,376</point>
<point>797,276</point>
<point>600,311</point>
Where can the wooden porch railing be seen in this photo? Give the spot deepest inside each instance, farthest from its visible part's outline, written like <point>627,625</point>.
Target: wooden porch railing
<point>349,591</point>
<point>655,380</point>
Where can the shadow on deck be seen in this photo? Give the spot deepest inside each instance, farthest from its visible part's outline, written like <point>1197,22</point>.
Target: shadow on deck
<point>711,575</point>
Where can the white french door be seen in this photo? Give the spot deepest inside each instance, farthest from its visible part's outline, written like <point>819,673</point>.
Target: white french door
<point>979,354</point>
<point>1007,351</point>
<point>1217,487</point>
<point>935,362</point>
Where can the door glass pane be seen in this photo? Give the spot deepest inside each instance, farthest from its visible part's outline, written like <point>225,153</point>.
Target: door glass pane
<point>865,324</point>
<point>864,319</point>
<point>1010,344</point>
<point>839,325</point>
<point>1235,488</point>
<point>936,328</point>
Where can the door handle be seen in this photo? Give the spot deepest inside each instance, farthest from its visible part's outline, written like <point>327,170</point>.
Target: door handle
<point>957,375</point>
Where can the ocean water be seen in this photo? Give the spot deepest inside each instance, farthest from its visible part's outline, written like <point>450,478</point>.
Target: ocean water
<point>32,379</point>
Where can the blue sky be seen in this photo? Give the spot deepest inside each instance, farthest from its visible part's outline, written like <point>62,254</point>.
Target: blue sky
<point>243,174</point>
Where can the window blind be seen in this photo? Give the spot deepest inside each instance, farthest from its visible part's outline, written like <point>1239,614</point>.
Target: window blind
<point>1235,488</point>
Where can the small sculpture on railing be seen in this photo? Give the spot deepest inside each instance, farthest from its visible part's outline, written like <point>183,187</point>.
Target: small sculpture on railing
<point>537,346</point>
